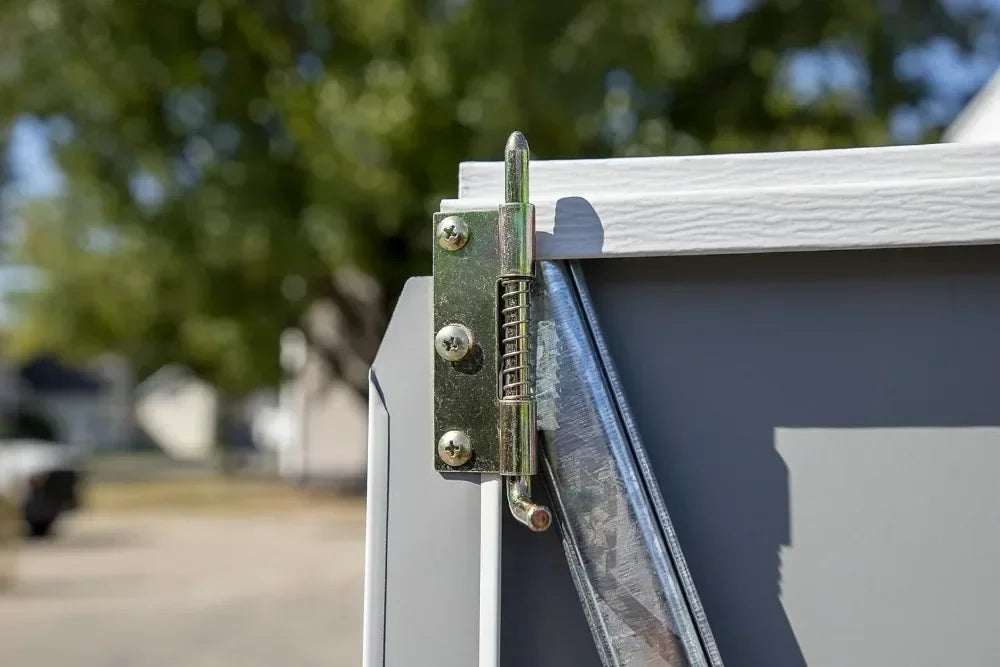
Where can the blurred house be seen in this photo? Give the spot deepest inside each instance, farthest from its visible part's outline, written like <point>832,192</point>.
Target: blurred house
<point>320,424</point>
<point>979,121</point>
<point>179,412</point>
<point>88,406</point>
<point>116,426</point>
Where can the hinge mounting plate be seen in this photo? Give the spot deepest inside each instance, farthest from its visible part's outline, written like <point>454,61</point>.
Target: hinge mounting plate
<point>466,293</point>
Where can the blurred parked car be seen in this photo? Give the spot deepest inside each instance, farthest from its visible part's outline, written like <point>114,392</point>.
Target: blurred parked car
<point>41,479</point>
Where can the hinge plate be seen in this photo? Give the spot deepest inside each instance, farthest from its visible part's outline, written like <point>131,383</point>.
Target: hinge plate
<point>466,293</point>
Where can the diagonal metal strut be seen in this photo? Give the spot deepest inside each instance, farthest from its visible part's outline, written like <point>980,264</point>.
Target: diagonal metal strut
<point>623,553</point>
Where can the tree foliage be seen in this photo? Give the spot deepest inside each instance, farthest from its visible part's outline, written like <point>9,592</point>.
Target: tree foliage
<point>230,163</point>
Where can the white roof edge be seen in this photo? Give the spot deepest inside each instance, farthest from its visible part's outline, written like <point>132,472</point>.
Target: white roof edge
<point>944,194</point>
<point>479,180</point>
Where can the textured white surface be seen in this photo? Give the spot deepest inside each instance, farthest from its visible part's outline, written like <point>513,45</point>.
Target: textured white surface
<point>874,197</point>
<point>902,213</point>
<point>549,178</point>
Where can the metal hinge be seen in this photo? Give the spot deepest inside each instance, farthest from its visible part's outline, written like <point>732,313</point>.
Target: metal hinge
<point>484,405</point>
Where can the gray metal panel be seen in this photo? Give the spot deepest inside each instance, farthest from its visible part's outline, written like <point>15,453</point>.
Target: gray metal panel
<point>542,621</point>
<point>716,353</point>
<point>432,553</point>
<point>905,541</point>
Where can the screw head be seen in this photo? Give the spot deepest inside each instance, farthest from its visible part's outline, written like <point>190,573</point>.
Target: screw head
<point>455,448</point>
<point>453,342</point>
<point>452,233</point>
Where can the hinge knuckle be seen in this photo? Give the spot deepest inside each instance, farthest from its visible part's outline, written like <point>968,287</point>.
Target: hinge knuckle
<point>518,438</point>
<point>517,239</point>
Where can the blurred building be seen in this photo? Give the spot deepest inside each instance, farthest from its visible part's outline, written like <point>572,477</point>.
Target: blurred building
<point>178,411</point>
<point>319,426</point>
<point>979,121</point>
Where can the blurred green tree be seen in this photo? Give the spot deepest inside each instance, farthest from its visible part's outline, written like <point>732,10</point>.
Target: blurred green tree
<point>229,164</point>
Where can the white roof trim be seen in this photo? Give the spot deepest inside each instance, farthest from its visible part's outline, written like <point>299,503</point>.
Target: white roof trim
<point>947,194</point>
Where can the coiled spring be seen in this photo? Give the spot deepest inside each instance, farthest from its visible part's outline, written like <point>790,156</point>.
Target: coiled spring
<point>515,380</point>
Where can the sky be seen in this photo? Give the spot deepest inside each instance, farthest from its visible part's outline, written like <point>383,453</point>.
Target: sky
<point>34,173</point>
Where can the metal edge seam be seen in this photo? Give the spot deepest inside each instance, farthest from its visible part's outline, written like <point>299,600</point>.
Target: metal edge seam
<point>376,526</point>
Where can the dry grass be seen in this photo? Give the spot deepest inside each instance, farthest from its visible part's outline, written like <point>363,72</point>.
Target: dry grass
<point>214,495</point>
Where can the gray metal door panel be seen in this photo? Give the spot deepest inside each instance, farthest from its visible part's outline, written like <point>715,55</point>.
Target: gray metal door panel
<point>432,523</point>
<point>542,621</point>
<point>731,363</point>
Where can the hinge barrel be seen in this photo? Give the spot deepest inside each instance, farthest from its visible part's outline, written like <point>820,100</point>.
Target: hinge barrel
<point>517,269</point>
<point>518,433</point>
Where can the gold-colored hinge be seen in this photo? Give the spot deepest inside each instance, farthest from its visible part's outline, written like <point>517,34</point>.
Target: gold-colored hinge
<point>484,405</point>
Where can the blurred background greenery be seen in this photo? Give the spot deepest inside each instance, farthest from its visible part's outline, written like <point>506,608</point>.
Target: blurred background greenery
<point>225,165</point>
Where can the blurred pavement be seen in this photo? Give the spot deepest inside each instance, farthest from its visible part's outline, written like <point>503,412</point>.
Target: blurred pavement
<point>143,590</point>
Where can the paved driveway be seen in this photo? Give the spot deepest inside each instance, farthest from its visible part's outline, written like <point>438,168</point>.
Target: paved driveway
<point>142,591</point>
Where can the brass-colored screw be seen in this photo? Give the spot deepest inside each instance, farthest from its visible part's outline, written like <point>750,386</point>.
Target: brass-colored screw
<point>452,233</point>
<point>455,448</point>
<point>453,342</point>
